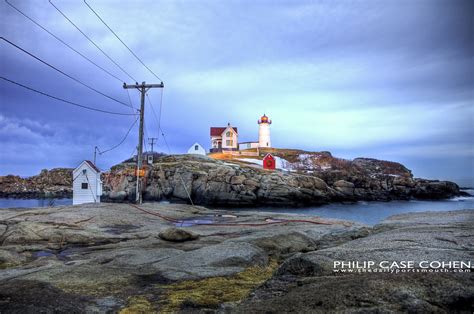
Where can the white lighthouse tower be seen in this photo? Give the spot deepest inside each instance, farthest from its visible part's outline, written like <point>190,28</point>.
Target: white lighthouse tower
<point>264,132</point>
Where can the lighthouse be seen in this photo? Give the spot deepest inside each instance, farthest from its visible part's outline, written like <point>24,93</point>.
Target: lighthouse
<point>264,132</point>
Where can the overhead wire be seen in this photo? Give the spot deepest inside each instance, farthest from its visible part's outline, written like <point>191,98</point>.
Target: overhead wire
<point>167,145</point>
<point>158,120</point>
<point>64,100</point>
<point>146,136</point>
<point>123,43</point>
<point>90,188</point>
<point>91,41</point>
<point>62,72</point>
<point>63,42</point>
<point>122,141</point>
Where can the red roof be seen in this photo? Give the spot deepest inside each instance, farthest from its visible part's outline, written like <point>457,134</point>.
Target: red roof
<point>217,131</point>
<point>90,163</point>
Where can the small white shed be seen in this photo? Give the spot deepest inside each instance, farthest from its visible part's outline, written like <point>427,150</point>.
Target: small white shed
<point>86,185</point>
<point>196,148</point>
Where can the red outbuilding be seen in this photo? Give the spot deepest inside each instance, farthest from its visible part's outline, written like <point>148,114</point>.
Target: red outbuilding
<point>269,162</point>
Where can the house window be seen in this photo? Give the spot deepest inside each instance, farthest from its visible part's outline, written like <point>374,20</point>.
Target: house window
<point>228,134</point>
<point>249,145</point>
<point>84,186</point>
<point>196,147</point>
<point>230,143</point>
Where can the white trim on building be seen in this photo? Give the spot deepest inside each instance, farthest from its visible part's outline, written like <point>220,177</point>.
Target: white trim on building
<point>248,145</point>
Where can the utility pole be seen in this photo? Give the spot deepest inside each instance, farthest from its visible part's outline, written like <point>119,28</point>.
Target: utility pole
<point>95,154</point>
<point>143,88</point>
<point>151,141</point>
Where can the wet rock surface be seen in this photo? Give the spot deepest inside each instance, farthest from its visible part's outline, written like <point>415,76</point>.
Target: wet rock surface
<point>110,257</point>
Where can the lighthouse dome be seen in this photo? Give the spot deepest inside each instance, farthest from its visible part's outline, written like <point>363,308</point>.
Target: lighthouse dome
<point>264,119</point>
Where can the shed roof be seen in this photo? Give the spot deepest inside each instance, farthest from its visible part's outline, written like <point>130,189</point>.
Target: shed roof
<point>90,163</point>
<point>269,156</point>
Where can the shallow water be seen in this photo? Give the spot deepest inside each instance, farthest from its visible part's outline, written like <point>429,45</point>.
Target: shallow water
<point>61,255</point>
<point>195,221</point>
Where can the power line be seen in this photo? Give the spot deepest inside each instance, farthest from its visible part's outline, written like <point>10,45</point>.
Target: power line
<point>90,40</point>
<point>166,142</point>
<point>158,120</point>
<point>131,51</point>
<point>123,140</point>
<point>130,99</point>
<point>66,101</point>
<point>179,174</point>
<point>63,42</point>
<point>62,72</point>
<point>161,108</point>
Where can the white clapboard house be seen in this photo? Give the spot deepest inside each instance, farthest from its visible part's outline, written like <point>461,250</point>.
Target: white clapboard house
<point>197,149</point>
<point>87,186</point>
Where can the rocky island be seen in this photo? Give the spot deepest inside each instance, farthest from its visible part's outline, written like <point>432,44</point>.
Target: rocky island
<point>304,178</point>
<point>180,258</point>
<point>54,183</point>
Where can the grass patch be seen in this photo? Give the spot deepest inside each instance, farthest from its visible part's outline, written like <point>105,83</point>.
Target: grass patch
<point>88,286</point>
<point>138,304</point>
<point>7,265</point>
<point>210,292</point>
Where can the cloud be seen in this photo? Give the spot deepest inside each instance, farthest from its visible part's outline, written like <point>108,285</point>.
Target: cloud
<point>360,78</point>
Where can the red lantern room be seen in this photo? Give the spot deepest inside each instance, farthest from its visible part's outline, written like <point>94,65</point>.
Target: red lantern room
<point>264,119</point>
<point>269,162</point>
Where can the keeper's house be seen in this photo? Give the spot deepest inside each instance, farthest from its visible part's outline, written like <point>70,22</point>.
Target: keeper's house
<point>224,138</point>
<point>86,185</point>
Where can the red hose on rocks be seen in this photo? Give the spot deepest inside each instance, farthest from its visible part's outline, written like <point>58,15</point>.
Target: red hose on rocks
<point>235,224</point>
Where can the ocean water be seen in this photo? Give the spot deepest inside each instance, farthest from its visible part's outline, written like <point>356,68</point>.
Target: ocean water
<point>28,203</point>
<point>371,213</point>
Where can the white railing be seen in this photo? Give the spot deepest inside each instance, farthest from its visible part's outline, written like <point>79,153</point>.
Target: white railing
<point>239,153</point>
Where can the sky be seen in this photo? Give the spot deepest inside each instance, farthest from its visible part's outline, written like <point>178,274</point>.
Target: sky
<point>392,80</point>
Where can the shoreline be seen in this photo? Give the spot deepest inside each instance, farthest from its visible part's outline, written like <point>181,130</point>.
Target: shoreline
<point>317,178</point>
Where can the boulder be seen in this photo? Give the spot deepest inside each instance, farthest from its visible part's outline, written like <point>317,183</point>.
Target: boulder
<point>344,187</point>
<point>178,235</point>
